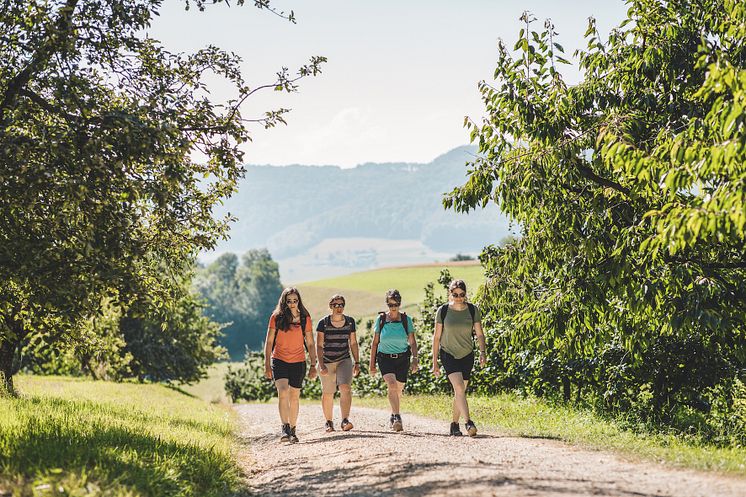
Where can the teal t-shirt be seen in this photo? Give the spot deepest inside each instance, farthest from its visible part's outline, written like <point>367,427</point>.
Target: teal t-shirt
<point>393,339</point>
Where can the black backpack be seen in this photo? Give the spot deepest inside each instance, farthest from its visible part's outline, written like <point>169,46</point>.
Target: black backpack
<point>382,321</point>
<point>443,310</point>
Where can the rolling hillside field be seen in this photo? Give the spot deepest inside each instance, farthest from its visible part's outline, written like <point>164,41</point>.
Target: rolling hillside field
<point>365,291</point>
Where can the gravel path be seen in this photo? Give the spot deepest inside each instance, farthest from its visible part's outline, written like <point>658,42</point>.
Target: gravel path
<point>422,461</point>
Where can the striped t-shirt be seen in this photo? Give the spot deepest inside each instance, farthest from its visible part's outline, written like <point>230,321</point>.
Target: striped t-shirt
<point>336,340</point>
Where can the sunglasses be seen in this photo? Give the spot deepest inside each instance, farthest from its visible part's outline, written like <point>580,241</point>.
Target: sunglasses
<point>391,306</point>
<point>337,306</point>
<point>458,295</point>
<point>294,301</point>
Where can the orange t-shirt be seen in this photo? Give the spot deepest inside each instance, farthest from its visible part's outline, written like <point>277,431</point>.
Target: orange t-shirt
<point>289,345</point>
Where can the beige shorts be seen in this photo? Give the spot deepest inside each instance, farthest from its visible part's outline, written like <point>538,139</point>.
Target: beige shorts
<point>340,373</point>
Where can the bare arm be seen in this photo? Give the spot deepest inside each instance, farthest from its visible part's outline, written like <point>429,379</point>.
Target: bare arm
<point>415,355</point>
<point>308,337</point>
<point>355,349</point>
<point>436,347</point>
<point>482,344</point>
<point>320,351</point>
<point>373,352</point>
<point>268,352</point>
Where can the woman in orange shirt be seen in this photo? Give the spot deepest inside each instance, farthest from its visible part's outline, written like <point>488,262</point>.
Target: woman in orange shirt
<point>289,335</point>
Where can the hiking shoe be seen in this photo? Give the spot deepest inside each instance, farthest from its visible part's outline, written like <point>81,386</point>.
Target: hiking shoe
<point>471,428</point>
<point>455,430</point>
<point>293,436</point>
<point>285,433</point>
<point>397,424</point>
<point>346,425</point>
<point>391,421</point>
<point>329,426</point>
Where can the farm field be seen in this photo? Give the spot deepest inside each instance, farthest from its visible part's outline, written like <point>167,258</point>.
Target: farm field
<point>364,291</point>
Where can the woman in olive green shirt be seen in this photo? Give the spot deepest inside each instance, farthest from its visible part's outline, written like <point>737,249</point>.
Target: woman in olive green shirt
<point>453,342</point>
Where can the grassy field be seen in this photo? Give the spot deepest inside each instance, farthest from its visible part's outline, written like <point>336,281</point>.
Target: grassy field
<point>365,291</point>
<point>535,418</point>
<point>212,388</point>
<point>66,436</point>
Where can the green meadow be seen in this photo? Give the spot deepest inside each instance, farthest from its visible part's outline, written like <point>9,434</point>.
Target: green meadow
<point>365,291</point>
<point>69,436</point>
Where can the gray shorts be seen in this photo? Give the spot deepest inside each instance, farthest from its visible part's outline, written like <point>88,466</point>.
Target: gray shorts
<point>340,373</point>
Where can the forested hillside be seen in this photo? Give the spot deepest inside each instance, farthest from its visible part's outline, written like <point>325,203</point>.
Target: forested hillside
<point>289,209</point>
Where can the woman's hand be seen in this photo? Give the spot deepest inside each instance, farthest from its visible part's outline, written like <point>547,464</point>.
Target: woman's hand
<point>436,370</point>
<point>323,370</point>
<point>372,370</point>
<point>268,372</point>
<point>356,369</point>
<point>415,365</point>
<point>312,372</point>
<point>483,359</point>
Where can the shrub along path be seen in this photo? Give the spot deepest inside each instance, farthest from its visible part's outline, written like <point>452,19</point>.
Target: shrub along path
<point>372,461</point>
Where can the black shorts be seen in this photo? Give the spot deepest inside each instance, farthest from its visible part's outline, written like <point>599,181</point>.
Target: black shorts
<point>398,365</point>
<point>293,371</point>
<point>453,365</point>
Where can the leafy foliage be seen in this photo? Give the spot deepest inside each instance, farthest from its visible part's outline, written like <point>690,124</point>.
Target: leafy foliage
<point>99,193</point>
<point>241,297</point>
<point>628,285</point>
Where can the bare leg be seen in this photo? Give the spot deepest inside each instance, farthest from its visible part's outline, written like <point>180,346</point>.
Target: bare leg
<point>393,391</point>
<point>327,405</point>
<point>283,404</point>
<point>294,405</point>
<point>345,400</point>
<point>460,406</point>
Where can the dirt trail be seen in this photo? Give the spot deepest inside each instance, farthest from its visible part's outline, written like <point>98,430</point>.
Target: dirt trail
<point>423,461</point>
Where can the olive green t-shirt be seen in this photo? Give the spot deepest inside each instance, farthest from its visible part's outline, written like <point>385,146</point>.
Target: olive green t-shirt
<point>456,338</point>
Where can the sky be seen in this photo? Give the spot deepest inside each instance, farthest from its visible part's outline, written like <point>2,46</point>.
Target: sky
<point>400,77</point>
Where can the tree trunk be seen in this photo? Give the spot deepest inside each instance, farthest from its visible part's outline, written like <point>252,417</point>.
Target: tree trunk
<point>7,356</point>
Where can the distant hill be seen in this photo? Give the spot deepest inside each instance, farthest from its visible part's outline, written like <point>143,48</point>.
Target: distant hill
<point>291,209</point>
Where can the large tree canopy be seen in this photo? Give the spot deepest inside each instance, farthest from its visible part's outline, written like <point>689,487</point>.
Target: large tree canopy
<point>630,190</point>
<point>99,190</point>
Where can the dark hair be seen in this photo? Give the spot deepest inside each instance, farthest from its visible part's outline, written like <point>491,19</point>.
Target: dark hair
<point>282,314</point>
<point>337,296</point>
<point>457,284</point>
<point>393,294</point>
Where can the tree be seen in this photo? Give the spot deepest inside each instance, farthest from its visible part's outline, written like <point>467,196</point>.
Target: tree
<point>630,274</point>
<point>99,194</point>
<point>241,297</point>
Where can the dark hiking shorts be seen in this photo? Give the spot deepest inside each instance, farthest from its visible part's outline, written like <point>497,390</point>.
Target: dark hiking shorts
<point>394,363</point>
<point>453,365</point>
<point>293,371</point>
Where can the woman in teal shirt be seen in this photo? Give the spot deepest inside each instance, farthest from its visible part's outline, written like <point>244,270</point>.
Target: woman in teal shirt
<point>394,344</point>
<point>453,342</point>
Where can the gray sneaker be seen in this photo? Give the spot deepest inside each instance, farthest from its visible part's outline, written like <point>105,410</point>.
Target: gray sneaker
<point>285,437</point>
<point>293,436</point>
<point>397,425</point>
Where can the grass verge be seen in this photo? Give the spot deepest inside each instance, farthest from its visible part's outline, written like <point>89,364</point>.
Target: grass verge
<point>530,417</point>
<point>67,436</point>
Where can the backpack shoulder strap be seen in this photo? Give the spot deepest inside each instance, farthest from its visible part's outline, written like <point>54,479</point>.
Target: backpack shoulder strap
<point>472,311</point>
<point>442,311</point>
<point>381,321</point>
<point>405,322</point>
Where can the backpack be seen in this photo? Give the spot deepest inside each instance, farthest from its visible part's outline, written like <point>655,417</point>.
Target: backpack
<point>382,321</point>
<point>443,310</point>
